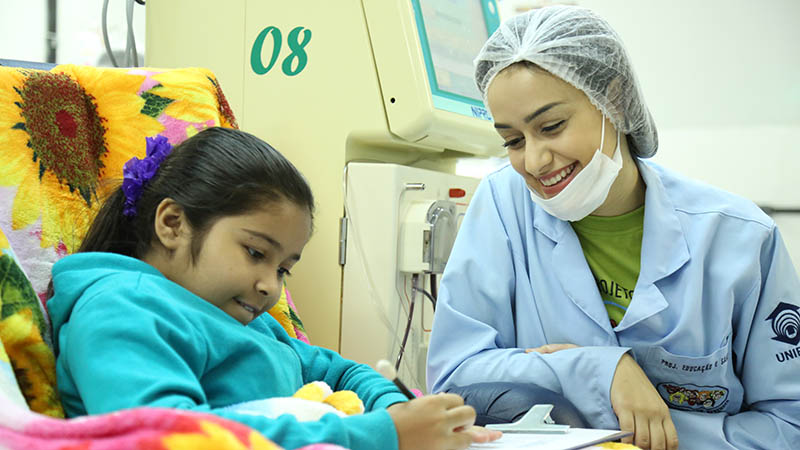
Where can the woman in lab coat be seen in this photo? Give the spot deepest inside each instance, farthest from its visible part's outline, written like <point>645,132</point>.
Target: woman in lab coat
<point>651,302</point>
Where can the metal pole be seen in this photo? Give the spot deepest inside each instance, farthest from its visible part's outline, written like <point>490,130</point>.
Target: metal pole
<point>51,40</point>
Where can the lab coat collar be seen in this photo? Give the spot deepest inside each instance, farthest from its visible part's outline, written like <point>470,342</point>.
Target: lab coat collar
<point>664,247</point>
<point>664,251</point>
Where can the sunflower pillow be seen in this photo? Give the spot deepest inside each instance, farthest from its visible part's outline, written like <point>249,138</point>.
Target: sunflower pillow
<point>63,132</point>
<point>66,130</point>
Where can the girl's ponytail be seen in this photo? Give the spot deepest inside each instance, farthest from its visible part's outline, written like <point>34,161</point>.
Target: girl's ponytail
<point>110,230</point>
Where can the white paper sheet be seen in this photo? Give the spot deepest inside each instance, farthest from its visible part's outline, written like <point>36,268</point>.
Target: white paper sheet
<point>574,438</point>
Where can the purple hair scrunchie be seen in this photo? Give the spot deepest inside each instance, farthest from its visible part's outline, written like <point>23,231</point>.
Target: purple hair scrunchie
<point>136,173</point>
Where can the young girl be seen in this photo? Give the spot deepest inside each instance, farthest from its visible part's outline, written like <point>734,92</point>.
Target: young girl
<point>163,303</point>
<point>651,302</point>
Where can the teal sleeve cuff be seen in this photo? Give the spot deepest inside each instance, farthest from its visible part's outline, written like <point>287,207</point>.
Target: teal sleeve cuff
<point>388,400</point>
<point>359,432</point>
<point>372,430</point>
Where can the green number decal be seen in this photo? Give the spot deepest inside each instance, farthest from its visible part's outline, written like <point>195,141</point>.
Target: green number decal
<point>298,51</point>
<point>255,53</point>
<point>297,58</point>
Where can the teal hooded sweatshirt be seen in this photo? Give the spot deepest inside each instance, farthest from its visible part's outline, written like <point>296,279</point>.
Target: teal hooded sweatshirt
<point>128,337</point>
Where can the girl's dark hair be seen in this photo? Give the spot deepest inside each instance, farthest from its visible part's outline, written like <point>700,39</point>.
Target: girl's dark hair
<point>216,173</point>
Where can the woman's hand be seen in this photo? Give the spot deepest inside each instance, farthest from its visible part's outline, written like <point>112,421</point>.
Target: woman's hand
<point>637,404</point>
<point>640,409</point>
<point>437,422</point>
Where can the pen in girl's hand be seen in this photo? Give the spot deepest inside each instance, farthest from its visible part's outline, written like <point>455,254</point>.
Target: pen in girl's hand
<point>386,369</point>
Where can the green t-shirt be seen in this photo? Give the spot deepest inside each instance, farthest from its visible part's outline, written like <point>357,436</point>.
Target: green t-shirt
<point>612,247</point>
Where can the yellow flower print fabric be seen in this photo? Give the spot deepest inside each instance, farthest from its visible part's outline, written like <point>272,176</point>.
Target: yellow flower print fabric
<point>26,360</point>
<point>64,136</point>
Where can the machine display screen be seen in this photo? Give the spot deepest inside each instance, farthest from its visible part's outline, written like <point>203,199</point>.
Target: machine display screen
<point>452,33</point>
<point>456,31</point>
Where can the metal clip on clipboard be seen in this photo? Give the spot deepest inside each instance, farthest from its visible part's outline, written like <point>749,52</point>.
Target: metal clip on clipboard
<point>536,420</point>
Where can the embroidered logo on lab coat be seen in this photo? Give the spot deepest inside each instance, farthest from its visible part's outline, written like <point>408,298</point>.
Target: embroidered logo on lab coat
<point>786,323</point>
<point>689,397</point>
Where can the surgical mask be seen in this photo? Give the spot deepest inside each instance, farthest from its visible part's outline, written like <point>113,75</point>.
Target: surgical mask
<point>588,190</point>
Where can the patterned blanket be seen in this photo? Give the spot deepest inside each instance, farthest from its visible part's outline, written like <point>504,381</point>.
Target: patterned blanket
<point>140,428</point>
<point>64,136</point>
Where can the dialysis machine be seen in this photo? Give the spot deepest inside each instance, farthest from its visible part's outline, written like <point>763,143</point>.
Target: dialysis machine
<point>373,100</point>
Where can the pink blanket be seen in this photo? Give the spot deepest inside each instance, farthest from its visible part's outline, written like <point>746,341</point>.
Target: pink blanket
<point>140,428</point>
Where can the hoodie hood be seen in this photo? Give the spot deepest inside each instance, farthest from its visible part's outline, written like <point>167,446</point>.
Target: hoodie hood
<point>75,276</point>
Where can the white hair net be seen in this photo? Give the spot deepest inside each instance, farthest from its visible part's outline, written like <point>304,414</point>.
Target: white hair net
<point>578,46</point>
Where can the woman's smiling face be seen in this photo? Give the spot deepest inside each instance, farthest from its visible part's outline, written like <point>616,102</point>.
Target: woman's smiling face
<point>550,128</point>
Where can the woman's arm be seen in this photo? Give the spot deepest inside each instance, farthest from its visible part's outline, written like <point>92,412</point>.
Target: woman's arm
<point>766,346</point>
<point>474,330</point>
<point>764,361</point>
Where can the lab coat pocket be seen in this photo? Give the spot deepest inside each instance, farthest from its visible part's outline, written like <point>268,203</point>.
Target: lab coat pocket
<point>694,383</point>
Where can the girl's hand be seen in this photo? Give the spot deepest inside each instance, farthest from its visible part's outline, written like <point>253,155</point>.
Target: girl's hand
<point>482,435</point>
<point>550,348</point>
<point>640,409</point>
<point>435,422</point>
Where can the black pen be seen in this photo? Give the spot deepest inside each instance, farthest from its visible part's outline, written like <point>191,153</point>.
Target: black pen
<point>386,369</point>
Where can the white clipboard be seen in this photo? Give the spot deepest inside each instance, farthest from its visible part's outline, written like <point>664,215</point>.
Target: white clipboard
<point>536,430</point>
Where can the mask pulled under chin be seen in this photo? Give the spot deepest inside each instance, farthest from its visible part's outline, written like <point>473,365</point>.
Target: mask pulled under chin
<point>587,191</point>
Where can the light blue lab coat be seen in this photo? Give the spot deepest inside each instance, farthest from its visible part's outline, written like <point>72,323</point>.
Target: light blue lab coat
<point>713,320</point>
